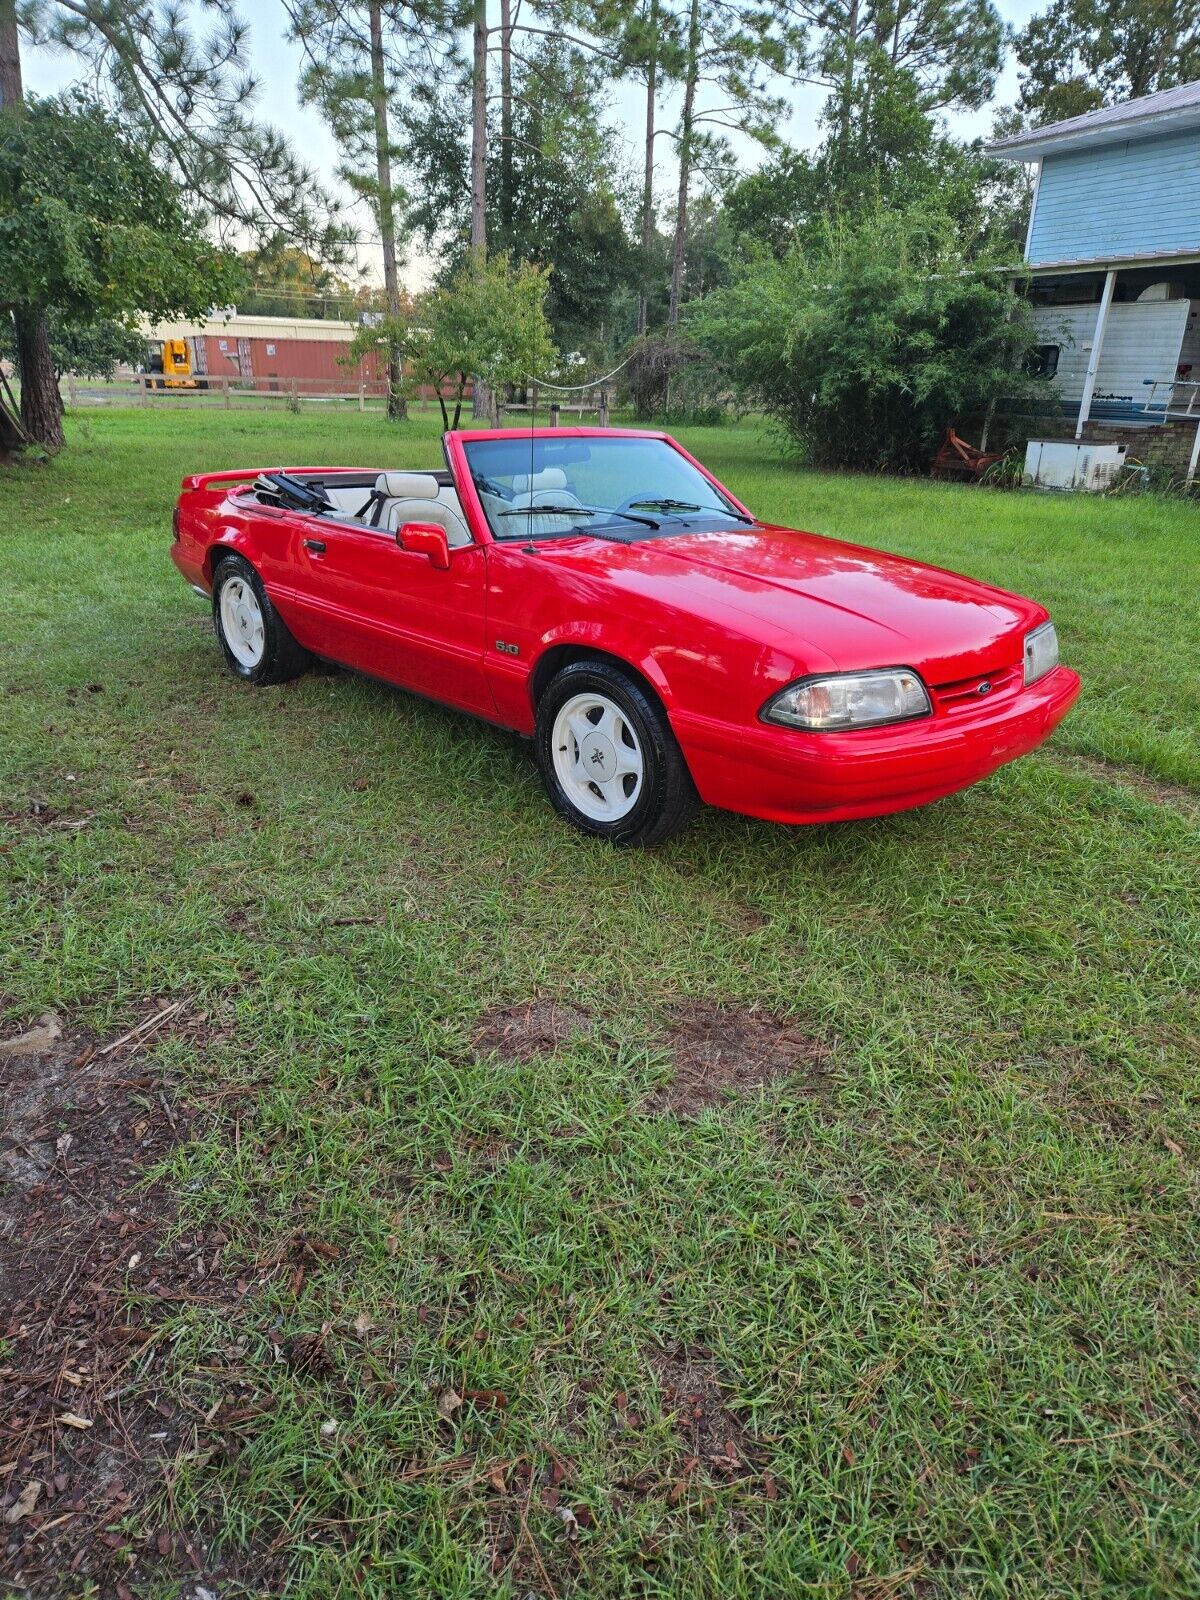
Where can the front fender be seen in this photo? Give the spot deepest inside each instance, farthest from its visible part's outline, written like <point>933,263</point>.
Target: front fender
<point>595,637</point>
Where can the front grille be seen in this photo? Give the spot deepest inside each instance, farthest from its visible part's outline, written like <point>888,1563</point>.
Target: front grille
<point>979,689</point>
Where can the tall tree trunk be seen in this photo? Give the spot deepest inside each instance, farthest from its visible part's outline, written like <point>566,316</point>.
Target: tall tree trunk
<point>685,162</point>
<point>847,88</point>
<point>648,177</point>
<point>11,91</point>
<point>41,403</point>
<point>482,400</point>
<point>397,405</point>
<point>506,125</point>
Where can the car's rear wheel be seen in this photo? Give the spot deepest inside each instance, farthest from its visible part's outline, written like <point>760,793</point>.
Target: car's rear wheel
<point>256,641</point>
<point>609,760</point>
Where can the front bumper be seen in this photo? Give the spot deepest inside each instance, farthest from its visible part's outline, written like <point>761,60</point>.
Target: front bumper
<point>785,775</point>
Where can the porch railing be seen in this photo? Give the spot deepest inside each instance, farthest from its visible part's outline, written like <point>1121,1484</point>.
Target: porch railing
<point>1180,398</point>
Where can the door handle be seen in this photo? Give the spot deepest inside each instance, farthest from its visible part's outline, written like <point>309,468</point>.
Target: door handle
<point>317,546</point>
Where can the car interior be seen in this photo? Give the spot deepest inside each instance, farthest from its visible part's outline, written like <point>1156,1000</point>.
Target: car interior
<point>387,500</point>
<point>384,500</point>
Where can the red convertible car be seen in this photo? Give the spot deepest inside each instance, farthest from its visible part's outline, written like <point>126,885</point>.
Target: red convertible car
<point>599,590</point>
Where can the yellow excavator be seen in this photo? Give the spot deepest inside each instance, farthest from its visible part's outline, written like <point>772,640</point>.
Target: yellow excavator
<point>171,366</point>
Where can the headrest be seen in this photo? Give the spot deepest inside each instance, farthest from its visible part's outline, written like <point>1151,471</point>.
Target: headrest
<point>407,485</point>
<point>547,478</point>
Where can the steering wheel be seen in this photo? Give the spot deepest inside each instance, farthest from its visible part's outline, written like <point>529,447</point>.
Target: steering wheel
<point>490,486</point>
<point>554,499</point>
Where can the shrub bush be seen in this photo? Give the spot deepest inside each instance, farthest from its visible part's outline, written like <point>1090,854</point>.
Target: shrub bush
<point>867,348</point>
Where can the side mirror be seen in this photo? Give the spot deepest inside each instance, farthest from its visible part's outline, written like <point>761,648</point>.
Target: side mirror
<point>427,539</point>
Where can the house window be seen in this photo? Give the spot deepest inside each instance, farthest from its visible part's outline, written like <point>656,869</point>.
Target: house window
<point>270,349</point>
<point>1043,361</point>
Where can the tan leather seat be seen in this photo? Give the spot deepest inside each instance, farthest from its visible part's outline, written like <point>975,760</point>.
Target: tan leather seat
<point>545,488</point>
<point>418,497</point>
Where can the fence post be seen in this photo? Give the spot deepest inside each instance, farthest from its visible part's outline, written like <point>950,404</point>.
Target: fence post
<point>228,397</point>
<point>602,418</point>
<point>554,423</point>
<point>72,389</point>
<point>362,397</point>
<point>296,393</point>
<point>143,389</point>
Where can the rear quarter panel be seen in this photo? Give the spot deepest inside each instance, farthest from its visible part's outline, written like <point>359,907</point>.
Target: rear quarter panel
<point>217,517</point>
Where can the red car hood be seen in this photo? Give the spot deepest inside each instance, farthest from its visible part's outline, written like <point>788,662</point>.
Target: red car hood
<point>860,607</point>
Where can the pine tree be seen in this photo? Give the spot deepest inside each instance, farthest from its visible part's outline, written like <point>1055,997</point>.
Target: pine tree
<point>190,103</point>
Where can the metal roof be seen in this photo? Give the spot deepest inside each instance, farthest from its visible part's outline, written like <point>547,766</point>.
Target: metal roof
<point>1135,119</point>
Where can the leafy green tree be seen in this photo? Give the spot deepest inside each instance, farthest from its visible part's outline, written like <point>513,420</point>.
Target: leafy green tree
<point>89,350</point>
<point>893,154</point>
<point>644,39</point>
<point>488,323</point>
<point>91,229</point>
<point>951,49</point>
<point>1081,54</point>
<point>567,191</point>
<point>284,281</point>
<point>868,347</point>
<point>361,57</point>
<point>738,49</point>
<point>182,93</point>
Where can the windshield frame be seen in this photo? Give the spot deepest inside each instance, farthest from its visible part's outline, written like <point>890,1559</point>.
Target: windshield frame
<point>454,447</point>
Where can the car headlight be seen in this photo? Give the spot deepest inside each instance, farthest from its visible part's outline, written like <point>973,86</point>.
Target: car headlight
<point>849,700</point>
<point>1041,652</point>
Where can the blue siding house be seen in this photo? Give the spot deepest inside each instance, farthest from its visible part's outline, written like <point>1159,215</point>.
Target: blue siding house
<point>1113,252</point>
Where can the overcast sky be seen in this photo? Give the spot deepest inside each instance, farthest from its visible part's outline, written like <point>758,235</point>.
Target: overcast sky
<point>277,65</point>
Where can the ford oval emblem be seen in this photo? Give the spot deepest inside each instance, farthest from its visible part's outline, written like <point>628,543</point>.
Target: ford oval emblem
<point>985,687</point>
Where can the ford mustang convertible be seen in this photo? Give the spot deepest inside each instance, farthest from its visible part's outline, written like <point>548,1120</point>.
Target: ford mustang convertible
<point>599,590</point>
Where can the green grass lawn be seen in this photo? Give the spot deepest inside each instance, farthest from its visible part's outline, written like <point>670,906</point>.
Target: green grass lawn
<point>938,1291</point>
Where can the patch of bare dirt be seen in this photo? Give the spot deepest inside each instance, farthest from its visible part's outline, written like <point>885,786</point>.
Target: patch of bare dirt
<point>711,1449</point>
<point>1158,791</point>
<point>692,1393</point>
<point>718,1051</point>
<point>536,1028</point>
<point>88,1425</point>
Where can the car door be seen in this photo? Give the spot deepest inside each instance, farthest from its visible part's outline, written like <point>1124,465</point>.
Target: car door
<point>391,612</point>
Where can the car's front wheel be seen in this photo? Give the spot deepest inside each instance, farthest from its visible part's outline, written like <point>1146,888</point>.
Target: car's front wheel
<point>609,760</point>
<point>254,638</point>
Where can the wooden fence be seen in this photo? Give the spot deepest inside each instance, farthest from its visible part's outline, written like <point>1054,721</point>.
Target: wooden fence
<point>227,391</point>
<point>602,407</point>
<point>231,392</point>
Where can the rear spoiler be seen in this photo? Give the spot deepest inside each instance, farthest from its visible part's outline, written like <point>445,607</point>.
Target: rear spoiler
<point>206,480</point>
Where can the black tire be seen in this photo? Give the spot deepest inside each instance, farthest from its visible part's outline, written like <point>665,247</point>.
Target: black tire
<point>281,658</point>
<point>668,796</point>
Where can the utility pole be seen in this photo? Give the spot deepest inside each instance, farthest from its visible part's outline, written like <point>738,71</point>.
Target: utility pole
<point>482,405</point>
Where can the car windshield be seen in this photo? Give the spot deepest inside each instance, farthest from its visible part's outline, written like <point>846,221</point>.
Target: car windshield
<point>624,486</point>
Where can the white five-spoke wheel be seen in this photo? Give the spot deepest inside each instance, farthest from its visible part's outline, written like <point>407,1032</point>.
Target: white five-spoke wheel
<point>257,642</point>
<point>242,622</point>
<point>608,756</point>
<point>597,757</point>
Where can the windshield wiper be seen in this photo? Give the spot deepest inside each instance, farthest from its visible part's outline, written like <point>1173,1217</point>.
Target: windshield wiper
<point>691,505</point>
<point>576,511</point>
